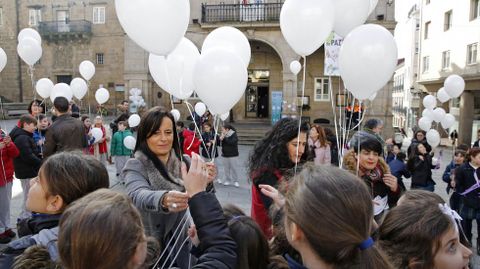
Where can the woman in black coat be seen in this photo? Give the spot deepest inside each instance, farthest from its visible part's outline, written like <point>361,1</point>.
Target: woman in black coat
<point>420,166</point>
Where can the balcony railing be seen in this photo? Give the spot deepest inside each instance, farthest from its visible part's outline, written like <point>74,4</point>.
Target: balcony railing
<point>259,12</point>
<point>65,29</point>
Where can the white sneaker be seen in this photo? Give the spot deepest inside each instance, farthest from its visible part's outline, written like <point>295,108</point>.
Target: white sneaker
<point>219,181</point>
<point>236,184</point>
<point>226,183</point>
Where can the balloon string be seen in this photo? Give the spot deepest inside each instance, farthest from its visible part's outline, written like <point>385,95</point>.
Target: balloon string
<point>30,72</point>
<point>197,129</point>
<point>171,239</point>
<point>178,253</point>
<point>178,135</point>
<point>334,114</point>
<point>176,241</point>
<point>4,123</point>
<point>88,97</point>
<point>301,111</point>
<point>216,122</point>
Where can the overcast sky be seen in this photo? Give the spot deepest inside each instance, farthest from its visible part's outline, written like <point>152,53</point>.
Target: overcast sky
<point>402,7</point>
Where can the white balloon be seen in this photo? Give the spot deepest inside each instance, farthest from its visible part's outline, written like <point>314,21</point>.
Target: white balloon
<point>350,14</point>
<point>29,50</point>
<point>87,70</point>
<point>97,134</point>
<point>176,114</point>
<point>448,121</point>
<point>130,142</point>
<point>425,123</point>
<point>427,113</point>
<point>438,114</point>
<point>454,85</point>
<point>155,25</point>
<point>3,59</point>
<point>221,79</point>
<point>373,5</point>
<point>231,39</point>
<point>295,67</point>
<point>429,101</point>
<point>102,95</point>
<point>134,120</point>
<point>442,95</point>
<point>29,32</point>
<point>433,138</point>
<point>306,24</point>
<point>406,143</point>
<point>44,87</point>
<point>200,108</point>
<point>174,73</point>
<point>61,89</point>
<point>79,88</point>
<point>367,60</point>
<point>225,116</point>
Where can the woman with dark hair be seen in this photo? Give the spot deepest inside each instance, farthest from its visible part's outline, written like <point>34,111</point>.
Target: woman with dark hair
<point>35,107</point>
<point>317,141</point>
<point>154,180</point>
<point>270,159</point>
<point>328,219</point>
<point>332,139</point>
<point>87,125</point>
<point>420,166</point>
<point>420,138</point>
<point>366,162</point>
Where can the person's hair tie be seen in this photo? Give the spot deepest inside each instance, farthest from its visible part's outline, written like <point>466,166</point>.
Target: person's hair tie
<point>366,244</point>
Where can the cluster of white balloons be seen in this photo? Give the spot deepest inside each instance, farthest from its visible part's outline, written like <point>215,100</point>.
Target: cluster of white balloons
<point>136,97</point>
<point>29,46</point>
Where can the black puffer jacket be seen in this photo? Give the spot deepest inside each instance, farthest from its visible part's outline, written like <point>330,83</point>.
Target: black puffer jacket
<point>217,245</point>
<point>230,145</point>
<point>464,179</point>
<point>421,170</point>
<point>28,162</point>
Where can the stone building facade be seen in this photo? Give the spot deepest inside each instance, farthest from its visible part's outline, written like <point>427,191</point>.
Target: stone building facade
<point>72,31</point>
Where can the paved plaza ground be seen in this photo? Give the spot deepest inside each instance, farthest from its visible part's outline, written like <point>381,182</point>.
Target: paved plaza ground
<point>242,196</point>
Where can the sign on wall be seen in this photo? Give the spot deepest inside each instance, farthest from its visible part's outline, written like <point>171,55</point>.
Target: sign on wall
<point>332,50</point>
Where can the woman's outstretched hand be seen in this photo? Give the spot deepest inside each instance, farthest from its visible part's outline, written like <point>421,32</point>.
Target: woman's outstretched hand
<point>195,179</point>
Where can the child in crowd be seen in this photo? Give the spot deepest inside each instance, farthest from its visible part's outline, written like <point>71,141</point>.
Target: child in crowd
<point>423,236</point>
<point>29,161</point>
<point>341,205</point>
<point>117,149</point>
<point>191,143</point>
<point>8,151</point>
<point>398,168</point>
<point>209,145</point>
<point>87,124</point>
<point>100,147</point>
<point>229,143</point>
<point>39,134</point>
<point>62,179</point>
<point>449,178</point>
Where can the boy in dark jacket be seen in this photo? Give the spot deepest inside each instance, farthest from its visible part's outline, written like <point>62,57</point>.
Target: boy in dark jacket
<point>398,168</point>
<point>28,162</point>
<point>229,141</point>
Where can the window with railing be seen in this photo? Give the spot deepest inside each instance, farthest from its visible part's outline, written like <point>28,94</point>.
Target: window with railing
<point>474,9</point>
<point>34,16</point>
<point>472,53</point>
<point>100,58</point>
<point>247,11</point>
<point>322,89</point>
<point>446,60</point>
<point>99,15</point>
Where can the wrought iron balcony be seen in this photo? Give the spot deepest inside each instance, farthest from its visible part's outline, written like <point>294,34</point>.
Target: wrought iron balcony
<point>65,30</point>
<point>242,13</point>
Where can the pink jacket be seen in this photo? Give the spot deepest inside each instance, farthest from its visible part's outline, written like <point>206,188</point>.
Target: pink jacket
<point>322,154</point>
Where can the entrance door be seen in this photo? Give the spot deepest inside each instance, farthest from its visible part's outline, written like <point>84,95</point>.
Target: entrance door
<point>262,111</point>
<point>64,79</point>
<point>62,21</point>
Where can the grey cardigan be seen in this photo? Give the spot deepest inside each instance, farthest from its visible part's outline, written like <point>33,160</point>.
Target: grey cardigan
<point>146,186</point>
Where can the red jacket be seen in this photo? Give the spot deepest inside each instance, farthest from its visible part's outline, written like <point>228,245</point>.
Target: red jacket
<point>190,146</point>
<point>260,214</point>
<point>102,147</point>
<point>7,154</point>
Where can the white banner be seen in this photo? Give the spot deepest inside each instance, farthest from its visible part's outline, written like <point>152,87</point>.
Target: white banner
<point>332,49</point>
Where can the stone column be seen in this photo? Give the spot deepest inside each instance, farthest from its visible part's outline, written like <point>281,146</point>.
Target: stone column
<point>466,118</point>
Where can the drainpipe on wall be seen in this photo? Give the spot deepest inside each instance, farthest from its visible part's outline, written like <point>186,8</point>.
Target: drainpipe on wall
<point>20,78</point>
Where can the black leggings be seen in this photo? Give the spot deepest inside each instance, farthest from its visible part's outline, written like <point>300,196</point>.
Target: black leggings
<point>467,228</point>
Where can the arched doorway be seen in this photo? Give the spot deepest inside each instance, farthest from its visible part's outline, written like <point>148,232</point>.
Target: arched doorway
<point>264,77</point>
